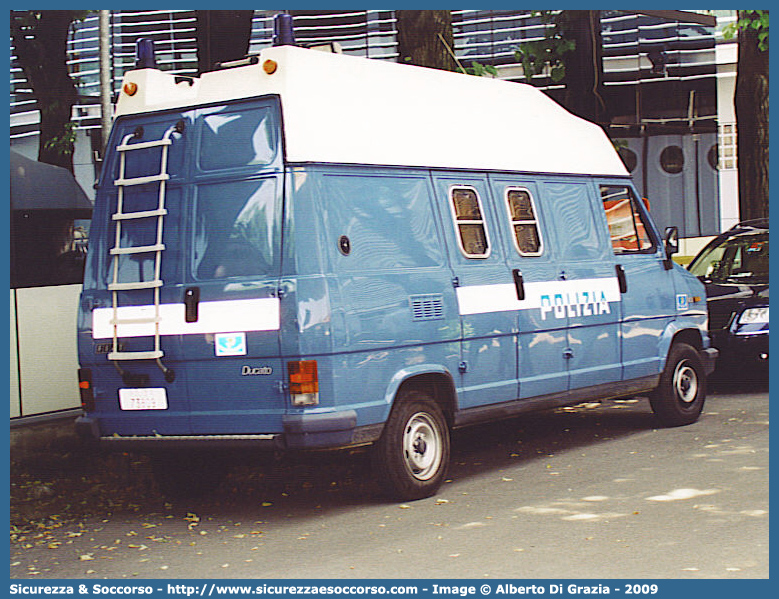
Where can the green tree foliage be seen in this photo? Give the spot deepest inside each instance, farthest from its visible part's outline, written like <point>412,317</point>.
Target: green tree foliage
<point>756,20</point>
<point>480,70</point>
<point>572,53</point>
<point>548,53</point>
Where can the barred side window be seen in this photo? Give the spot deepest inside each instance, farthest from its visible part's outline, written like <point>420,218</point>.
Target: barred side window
<point>524,221</point>
<point>469,220</point>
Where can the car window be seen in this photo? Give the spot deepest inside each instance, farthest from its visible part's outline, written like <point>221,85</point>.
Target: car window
<point>627,229</point>
<point>469,220</point>
<point>524,221</point>
<point>738,259</point>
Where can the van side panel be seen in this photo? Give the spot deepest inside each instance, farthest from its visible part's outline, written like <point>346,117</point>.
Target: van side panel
<point>373,290</point>
<point>648,303</point>
<point>542,366</point>
<point>587,295</point>
<point>486,295</point>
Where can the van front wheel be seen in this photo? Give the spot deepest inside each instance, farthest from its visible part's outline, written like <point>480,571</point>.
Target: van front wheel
<point>679,398</point>
<point>411,457</point>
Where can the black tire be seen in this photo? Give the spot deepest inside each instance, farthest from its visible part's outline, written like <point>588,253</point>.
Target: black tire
<point>412,455</point>
<point>679,398</point>
<point>188,475</point>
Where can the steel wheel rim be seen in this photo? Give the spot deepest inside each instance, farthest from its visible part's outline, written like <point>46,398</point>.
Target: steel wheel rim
<point>685,382</point>
<point>422,446</point>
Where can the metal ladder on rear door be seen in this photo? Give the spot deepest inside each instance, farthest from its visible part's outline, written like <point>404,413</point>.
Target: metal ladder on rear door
<point>156,248</point>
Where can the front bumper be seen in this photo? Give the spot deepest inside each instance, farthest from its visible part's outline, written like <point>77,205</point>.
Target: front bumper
<point>742,349</point>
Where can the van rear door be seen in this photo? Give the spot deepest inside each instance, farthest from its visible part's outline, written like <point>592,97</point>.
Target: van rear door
<point>128,331</point>
<point>186,255</point>
<point>231,267</point>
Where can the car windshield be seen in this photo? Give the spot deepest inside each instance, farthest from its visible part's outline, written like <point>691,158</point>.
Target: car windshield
<point>738,259</point>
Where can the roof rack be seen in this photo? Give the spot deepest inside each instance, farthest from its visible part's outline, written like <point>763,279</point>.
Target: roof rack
<point>250,59</point>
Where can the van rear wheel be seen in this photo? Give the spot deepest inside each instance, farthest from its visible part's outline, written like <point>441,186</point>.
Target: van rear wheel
<point>411,457</point>
<point>679,398</point>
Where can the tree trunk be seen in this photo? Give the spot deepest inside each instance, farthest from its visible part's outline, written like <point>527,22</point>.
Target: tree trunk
<point>751,101</point>
<point>425,38</point>
<point>40,40</point>
<point>222,35</point>
<point>584,66</point>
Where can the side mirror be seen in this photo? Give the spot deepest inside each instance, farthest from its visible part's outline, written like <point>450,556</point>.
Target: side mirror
<point>671,243</point>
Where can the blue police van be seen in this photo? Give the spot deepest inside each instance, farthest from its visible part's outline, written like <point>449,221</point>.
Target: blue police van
<point>310,250</point>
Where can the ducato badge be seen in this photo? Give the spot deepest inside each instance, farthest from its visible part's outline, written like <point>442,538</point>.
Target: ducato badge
<point>256,370</point>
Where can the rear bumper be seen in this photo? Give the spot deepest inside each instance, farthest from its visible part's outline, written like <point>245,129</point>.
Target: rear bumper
<point>328,430</point>
<point>314,431</point>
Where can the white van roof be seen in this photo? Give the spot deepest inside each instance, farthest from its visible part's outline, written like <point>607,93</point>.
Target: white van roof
<point>346,109</point>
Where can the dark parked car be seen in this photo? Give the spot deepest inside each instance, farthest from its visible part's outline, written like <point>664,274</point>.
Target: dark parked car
<point>734,268</point>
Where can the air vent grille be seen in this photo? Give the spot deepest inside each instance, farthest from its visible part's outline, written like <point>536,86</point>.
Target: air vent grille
<point>427,307</point>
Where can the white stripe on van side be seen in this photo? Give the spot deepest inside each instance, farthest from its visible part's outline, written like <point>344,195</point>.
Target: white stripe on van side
<point>229,316</point>
<point>582,294</point>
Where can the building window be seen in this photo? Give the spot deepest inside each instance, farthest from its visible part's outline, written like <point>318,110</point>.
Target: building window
<point>629,158</point>
<point>727,146</point>
<point>524,223</point>
<point>469,220</point>
<point>627,228</point>
<point>712,157</point>
<point>672,160</point>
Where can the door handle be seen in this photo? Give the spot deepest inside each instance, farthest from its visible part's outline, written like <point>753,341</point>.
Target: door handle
<point>519,283</point>
<point>191,303</point>
<point>622,279</point>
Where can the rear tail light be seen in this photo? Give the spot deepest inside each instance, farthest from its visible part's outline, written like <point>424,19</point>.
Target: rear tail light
<point>85,389</point>
<point>303,382</point>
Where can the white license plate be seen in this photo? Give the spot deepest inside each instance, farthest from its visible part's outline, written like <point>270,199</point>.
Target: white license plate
<point>150,398</point>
